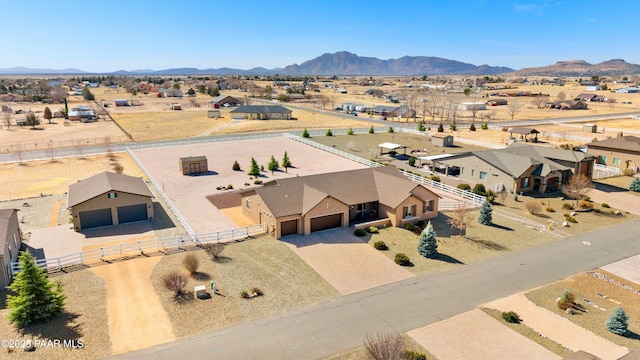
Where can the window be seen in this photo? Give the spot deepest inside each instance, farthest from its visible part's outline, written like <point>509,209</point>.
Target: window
<point>483,175</point>
<point>112,195</point>
<point>603,159</point>
<point>472,171</point>
<point>525,182</point>
<point>247,203</point>
<point>616,161</point>
<point>461,170</point>
<point>428,206</point>
<point>408,211</point>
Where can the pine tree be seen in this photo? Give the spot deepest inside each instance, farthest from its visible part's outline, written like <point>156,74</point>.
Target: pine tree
<point>485,216</point>
<point>390,130</point>
<point>38,299</point>
<point>350,132</point>
<point>235,166</point>
<point>305,133</point>
<point>617,322</point>
<point>286,162</point>
<point>273,164</point>
<point>427,243</point>
<point>329,133</point>
<point>421,126</point>
<point>254,170</point>
<point>635,185</point>
<point>440,128</point>
<point>371,131</point>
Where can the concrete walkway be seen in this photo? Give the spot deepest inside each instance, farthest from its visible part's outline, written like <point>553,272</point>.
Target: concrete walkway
<point>557,328</point>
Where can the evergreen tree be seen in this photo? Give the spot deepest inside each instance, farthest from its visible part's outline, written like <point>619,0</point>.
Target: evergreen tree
<point>427,243</point>
<point>421,126</point>
<point>390,131</point>
<point>305,133</point>
<point>371,131</point>
<point>38,299</point>
<point>32,120</point>
<point>635,185</point>
<point>87,95</point>
<point>440,128</point>
<point>617,322</point>
<point>329,133</point>
<point>254,170</point>
<point>273,164</point>
<point>472,127</point>
<point>47,114</point>
<point>235,166</point>
<point>350,132</point>
<point>453,126</point>
<point>286,162</point>
<point>485,216</point>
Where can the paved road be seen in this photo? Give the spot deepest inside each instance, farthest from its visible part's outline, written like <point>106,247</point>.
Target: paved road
<point>325,329</point>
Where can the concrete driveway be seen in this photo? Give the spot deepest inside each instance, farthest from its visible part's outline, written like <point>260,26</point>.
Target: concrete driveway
<point>616,198</point>
<point>627,269</point>
<point>345,261</point>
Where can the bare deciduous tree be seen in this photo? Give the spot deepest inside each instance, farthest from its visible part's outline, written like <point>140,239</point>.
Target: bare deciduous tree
<point>191,263</point>
<point>562,95</point>
<point>19,152</point>
<point>577,187</point>
<point>214,250</point>
<point>79,148</point>
<point>538,101</point>
<point>6,118</point>
<point>175,281</point>
<point>50,148</point>
<point>460,218</point>
<point>387,346</point>
<point>513,108</point>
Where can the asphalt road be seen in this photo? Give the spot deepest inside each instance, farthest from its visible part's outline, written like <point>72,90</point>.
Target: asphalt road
<point>329,328</point>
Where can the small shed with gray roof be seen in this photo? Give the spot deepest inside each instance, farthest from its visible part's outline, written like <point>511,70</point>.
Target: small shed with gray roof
<point>109,199</point>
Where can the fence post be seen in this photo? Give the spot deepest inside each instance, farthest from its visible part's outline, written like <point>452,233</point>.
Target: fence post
<point>59,265</point>
<point>101,254</point>
<point>140,248</point>
<point>81,260</point>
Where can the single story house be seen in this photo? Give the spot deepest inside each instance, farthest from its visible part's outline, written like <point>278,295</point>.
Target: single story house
<point>442,140</point>
<point>470,106</point>
<point>82,113</point>
<point>170,92</point>
<point>194,165</point>
<point>518,167</point>
<point>392,111</point>
<point>225,101</point>
<point>261,112</point>
<point>627,90</point>
<point>122,102</point>
<point>109,199</point>
<point>593,88</point>
<point>11,238</point>
<point>622,152</point>
<point>586,97</point>
<point>497,102</point>
<point>568,105</point>
<point>306,204</point>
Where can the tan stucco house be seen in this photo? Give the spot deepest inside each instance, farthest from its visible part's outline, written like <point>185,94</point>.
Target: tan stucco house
<point>109,199</point>
<point>622,152</point>
<point>305,204</point>
<point>261,112</point>
<point>11,242</point>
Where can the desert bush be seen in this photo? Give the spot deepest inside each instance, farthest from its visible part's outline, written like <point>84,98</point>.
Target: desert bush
<point>257,182</point>
<point>484,126</point>
<point>350,131</point>
<point>413,355</point>
<point>505,129</point>
<point>570,218</point>
<point>390,131</point>
<point>384,346</point>
<point>627,172</point>
<point>380,245</point>
<point>410,227</point>
<point>567,206</point>
<point>402,259</point>
<point>463,186</point>
<point>214,250</point>
<point>175,281</point>
<point>191,263</point>
<point>585,204</point>
<point>229,187</point>
<point>235,166</point>
<point>245,294</point>
<point>511,317</point>
<point>533,207</point>
<point>371,130</point>
<point>256,290</point>
<point>359,232</point>
<point>435,178</point>
<point>372,230</point>
<point>605,205</point>
<point>490,195</point>
<point>566,300</point>
<point>118,168</point>
<point>550,209</point>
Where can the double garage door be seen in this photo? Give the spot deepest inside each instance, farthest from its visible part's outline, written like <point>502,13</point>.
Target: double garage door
<point>326,222</point>
<point>102,217</point>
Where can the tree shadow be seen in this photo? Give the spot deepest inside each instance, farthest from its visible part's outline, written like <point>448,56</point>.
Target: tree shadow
<point>447,258</point>
<point>486,244</point>
<point>609,188</point>
<point>200,276</point>
<point>64,326</point>
<point>501,227</point>
<point>222,259</point>
<point>632,335</point>
<point>183,297</point>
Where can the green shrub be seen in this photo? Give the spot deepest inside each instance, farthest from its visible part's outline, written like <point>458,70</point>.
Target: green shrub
<point>472,127</point>
<point>390,131</point>
<point>567,206</point>
<point>402,259</point>
<point>371,131</point>
<point>380,245</point>
<point>412,161</point>
<point>490,195</point>
<point>479,189</point>
<point>257,182</point>
<point>421,126</point>
<point>410,226</point>
<point>359,232</point>
<point>484,126</point>
<point>635,185</point>
<point>627,172</point>
<point>463,186</point>
<point>585,204</point>
<point>329,133</point>
<point>236,166</point>
<point>566,300</point>
<point>413,355</point>
<point>244,294</point>
<point>435,178</point>
<point>305,133</point>
<point>372,230</point>
<point>549,209</point>
<point>570,218</point>
<point>511,317</point>
<point>440,128</point>
<point>229,187</point>
<point>605,205</point>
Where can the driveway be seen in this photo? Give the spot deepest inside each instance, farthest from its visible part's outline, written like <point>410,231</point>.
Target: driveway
<point>617,199</point>
<point>345,261</point>
<point>626,269</point>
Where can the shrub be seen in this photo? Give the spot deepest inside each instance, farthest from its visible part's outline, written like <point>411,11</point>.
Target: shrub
<point>191,263</point>
<point>617,322</point>
<point>511,317</point>
<point>380,245</point>
<point>118,168</point>
<point>236,166</point>
<point>566,300</point>
<point>533,207</point>
<point>440,128</point>
<point>570,218</point>
<point>245,294</point>
<point>410,226</point>
<point>420,223</point>
<point>329,133</point>
<point>585,204</point>
<point>472,127</point>
<point>505,129</point>
<point>371,131</point>
<point>256,291</point>
<point>359,232</point>
<point>635,185</point>
<point>257,182</point>
<point>479,189</point>
<point>484,126</point>
<point>412,161</point>
<point>421,126</point>
<point>463,186</point>
<point>567,206</point>
<point>372,230</point>
<point>413,355</point>
<point>549,209</point>
<point>453,126</point>
<point>350,131</point>
<point>605,205</point>
<point>435,178</point>
<point>627,172</point>
<point>390,131</point>
<point>214,250</point>
<point>490,195</point>
<point>305,133</point>
<point>175,281</point>
<point>384,346</point>
<point>402,259</point>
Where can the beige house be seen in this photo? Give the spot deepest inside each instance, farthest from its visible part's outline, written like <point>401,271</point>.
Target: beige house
<point>11,242</point>
<point>261,112</point>
<point>302,205</point>
<point>622,152</point>
<point>109,199</point>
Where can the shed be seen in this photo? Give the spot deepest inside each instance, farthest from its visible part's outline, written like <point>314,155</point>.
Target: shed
<point>194,165</point>
<point>590,128</point>
<point>442,140</point>
<point>122,102</point>
<point>175,107</point>
<point>213,113</point>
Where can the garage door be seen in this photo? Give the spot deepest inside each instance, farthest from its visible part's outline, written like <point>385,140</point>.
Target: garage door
<point>289,227</point>
<point>326,222</point>
<point>132,213</point>
<point>95,218</point>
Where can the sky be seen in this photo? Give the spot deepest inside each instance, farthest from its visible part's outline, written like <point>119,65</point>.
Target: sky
<point>105,36</point>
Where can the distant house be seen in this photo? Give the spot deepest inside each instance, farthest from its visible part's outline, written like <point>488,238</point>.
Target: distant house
<point>568,105</point>
<point>622,152</point>
<point>519,167</point>
<point>109,199</point>
<point>392,111</point>
<point>593,88</point>
<point>306,204</point>
<point>225,100</point>
<point>82,113</point>
<point>586,97</point>
<point>11,238</point>
<point>175,106</point>
<point>627,90</point>
<point>497,102</point>
<point>170,92</point>
<point>261,112</point>
<point>588,83</point>
<point>122,102</point>
<point>442,140</point>
<point>465,106</point>
<point>341,90</point>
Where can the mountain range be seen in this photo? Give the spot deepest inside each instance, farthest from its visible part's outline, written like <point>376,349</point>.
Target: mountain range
<point>347,63</point>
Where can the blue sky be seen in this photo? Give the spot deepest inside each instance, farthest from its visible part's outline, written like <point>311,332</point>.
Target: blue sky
<point>104,36</point>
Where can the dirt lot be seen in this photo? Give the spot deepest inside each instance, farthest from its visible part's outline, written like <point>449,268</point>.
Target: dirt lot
<point>476,335</point>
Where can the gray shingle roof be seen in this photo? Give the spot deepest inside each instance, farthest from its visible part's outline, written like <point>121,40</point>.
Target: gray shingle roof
<point>627,142</point>
<point>104,182</point>
<point>260,109</point>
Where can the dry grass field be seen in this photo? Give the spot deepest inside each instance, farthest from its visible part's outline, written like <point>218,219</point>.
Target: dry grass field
<point>585,286</point>
<point>84,318</point>
<point>360,353</point>
<point>287,282</point>
<point>31,179</point>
